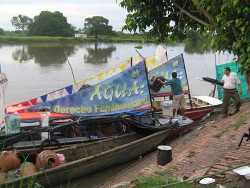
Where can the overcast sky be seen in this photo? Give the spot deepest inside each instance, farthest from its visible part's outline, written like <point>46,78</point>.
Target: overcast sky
<point>75,10</point>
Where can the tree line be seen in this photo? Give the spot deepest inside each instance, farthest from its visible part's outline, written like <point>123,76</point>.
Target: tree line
<point>55,24</point>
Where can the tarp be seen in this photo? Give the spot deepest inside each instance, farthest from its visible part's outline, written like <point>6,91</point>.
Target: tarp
<point>123,92</point>
<point>21,107</point>
<point>175,64</point>
<point>235,67</point>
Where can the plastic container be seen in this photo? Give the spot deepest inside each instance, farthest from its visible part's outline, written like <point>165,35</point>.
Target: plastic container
<point>45,119</point>
<point>45,123</point>
<point>180,119</point>
<point>167,108</point>
<point>12,125</point>
<point>164,155</point>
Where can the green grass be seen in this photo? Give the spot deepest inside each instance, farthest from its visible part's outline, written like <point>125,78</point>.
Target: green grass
<point>236,125</point>
<point>161,181</point>
<point>241,121</point>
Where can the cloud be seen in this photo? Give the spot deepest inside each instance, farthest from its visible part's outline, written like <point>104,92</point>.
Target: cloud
<point>75,10</point>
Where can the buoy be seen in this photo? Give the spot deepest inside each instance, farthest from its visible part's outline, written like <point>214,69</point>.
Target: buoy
<point>9,161</point>
<point>47,159</point>
<point>27,169</point>
<point>164,155</point>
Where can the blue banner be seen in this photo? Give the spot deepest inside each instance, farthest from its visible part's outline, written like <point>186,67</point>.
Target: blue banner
<point>175,64</point>
<point>123,92</point>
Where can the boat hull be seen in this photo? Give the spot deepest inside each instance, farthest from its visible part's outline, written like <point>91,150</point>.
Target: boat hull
<point>198,113</point>
<point>99,161</point>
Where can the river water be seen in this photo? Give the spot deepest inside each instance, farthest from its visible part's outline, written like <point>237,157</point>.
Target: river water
<point>35,69</point>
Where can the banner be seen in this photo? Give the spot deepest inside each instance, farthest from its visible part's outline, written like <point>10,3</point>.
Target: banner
<point>175,64</point>
<point>103,75</point>
<point>245,79</point>
<point>123,92</point>
<point>24,106</point>
<point>151,63</point>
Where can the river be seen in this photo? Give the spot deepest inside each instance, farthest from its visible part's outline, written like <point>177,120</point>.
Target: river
<point>35,69</point>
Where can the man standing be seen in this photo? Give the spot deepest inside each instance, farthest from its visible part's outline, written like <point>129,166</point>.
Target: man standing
<point>230,83</point>
<point>178,96</point>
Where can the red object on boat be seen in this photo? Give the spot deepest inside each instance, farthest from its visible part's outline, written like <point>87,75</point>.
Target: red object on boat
<point>21,107</point>
<point>37,115</point>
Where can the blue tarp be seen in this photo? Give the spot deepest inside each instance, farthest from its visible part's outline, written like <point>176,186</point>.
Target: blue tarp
<point>175,64</point>
<point>124,92</point>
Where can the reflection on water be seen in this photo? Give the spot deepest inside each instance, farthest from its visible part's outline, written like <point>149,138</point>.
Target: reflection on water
<point>99,55</point>
<point>51,55</point>
<point>21,54</point>
<point>44,55</point>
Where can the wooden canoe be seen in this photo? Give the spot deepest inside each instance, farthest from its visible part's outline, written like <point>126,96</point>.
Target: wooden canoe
<point>84,159</point>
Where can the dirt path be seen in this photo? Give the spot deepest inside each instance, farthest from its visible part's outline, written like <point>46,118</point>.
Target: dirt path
<point>195,153</point>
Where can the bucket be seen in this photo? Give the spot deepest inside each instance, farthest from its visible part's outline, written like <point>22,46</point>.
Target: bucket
<point>167,108</point>
<point>164,155</point>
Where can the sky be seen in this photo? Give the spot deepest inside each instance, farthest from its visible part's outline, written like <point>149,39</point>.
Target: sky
<point>75,10</point>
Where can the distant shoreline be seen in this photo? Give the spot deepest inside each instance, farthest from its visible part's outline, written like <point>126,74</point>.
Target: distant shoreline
<point>30,39</point>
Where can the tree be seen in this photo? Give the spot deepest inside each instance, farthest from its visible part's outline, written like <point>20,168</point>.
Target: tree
<point>51,24</point>
<point>226,23</point>
<point>1,31</point>
<point>97,25</point>
<point>21,22</point>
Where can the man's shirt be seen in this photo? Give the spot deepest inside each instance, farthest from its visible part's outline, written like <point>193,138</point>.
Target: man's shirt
<point>231,81</point>
<point>175,85</point>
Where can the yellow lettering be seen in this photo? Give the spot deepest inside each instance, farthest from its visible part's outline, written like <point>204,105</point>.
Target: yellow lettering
<point>96,93</point>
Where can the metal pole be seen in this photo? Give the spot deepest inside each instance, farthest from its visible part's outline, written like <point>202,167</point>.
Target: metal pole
<point>71,69</point>
<point>189,94</point>
<point>149,92</point>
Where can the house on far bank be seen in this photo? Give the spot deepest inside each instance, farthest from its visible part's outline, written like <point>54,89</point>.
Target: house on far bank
<point>80,35</point>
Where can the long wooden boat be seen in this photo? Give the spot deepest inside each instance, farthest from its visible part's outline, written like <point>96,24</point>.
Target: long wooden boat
<point>84,159</point>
